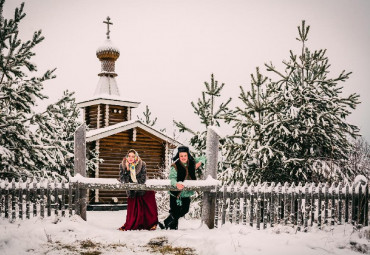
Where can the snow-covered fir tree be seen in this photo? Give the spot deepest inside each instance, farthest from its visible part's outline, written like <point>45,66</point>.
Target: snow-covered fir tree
<point>244,156</point>
<point>359,158</point>
<point>309,132</point>
<point>32,144</point>
<point>21,152</point>
<point>209,112</point>
<point>55,128</point>
<point>304,135</point>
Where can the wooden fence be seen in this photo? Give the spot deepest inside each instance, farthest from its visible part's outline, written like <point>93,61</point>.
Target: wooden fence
<point>303,206</point>
<point>261,206</point>
<point>36,198</point>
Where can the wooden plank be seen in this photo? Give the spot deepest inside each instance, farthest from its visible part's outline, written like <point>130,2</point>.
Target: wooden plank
<point>2,198</point>
<point>217,206</point>
<point>340,203</point>
<point>245,204</point>
<point>231,204</point>
<point>359,207</point>
<point>319,205</point>
<point>35,198</point>
<point>292,206</point>
<point>272,204</point>
<point>80,150</point>
<point>280,211</point>
<point>367,205</point>
<point>258,214</point>
<point>332,213</point>
<point>77,199</point>
<point>70,188</point>
<point>251,199</point>
<point>42,201</point>
<point>354,206</point>
<point>237,204</point>
<point>286,199</point>
<point>224,197</point>
<point>264,206</point>
<point>307,201</point>
<point>299,211</point>
<point>56,198</point>
<point>312,204</point>
<point>346,204</point>
<point>7,198</point>
<point>48,198</point>
<point>14,200</point>
<point>326,203</point>
<point>63,198</point>
<point>20,200</point>
<point>28,199</point>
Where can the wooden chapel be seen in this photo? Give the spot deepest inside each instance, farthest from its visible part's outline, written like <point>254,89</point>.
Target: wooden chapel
<point>113,131</point>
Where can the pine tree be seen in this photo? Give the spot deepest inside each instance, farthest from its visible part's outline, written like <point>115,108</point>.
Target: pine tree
<point>21,152</point>
<point>244,158</point>
<point>310,136</point>
<point>147,119</point>
<point>56,127</point>
<point>296,130</point>
<point>32,144</point>
<point>210,114</point>
<point>359,159</point>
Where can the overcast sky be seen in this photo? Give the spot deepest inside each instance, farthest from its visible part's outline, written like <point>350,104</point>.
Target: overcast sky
<point>170,47</point>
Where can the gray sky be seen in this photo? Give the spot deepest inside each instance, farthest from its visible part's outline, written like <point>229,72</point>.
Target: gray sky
<point>170,47</point>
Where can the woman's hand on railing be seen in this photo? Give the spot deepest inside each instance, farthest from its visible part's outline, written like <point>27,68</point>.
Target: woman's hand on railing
<point>179,186</point>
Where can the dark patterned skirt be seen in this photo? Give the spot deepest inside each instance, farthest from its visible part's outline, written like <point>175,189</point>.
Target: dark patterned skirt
<point>141,212</point>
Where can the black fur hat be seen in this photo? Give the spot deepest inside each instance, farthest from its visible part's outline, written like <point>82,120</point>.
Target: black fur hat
<point>183,148</point>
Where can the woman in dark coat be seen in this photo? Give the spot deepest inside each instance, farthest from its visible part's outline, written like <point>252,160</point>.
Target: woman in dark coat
<point>182,169</point>
<point>141,205</point>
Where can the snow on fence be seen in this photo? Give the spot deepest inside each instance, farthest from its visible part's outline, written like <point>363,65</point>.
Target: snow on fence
<point>36,198</point>
<point>303,206</point>
<point>264,204</point>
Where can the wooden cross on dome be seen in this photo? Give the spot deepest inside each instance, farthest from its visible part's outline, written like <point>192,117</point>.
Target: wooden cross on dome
<point>108,23</point>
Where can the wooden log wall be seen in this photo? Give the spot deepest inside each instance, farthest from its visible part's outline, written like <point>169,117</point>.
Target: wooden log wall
<point>36,198</point>
<point>117,114</point>
<point>112,149</point>
<point>266,205</point>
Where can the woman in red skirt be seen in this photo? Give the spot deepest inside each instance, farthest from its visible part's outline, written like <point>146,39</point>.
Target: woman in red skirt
<point>141,205</point>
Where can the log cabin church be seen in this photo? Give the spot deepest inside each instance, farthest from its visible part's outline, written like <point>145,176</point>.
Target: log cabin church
<point>113,131</point>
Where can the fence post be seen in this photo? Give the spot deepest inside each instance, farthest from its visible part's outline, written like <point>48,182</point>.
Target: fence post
<point>80,165</point>
<point>367,204</point>
<point>209,200</point>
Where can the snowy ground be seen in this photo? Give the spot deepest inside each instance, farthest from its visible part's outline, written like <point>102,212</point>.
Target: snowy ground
<point>99,235</point>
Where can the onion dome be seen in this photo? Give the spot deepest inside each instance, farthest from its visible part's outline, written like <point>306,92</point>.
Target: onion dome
<point>107,54</point>
<point>107,51</point>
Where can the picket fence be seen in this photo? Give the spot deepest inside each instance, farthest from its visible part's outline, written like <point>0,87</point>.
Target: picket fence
<point>269,204</point>
<point>259,205</point>
<point>36,198</point>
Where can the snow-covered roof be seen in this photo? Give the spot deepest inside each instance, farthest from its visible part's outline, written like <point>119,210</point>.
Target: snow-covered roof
<point>100,133</point>
<point>107,99</point>
<point>107,85</point>
<point>107,46</point>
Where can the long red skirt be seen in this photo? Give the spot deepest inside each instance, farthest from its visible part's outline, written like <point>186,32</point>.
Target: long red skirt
<point>141,212</point>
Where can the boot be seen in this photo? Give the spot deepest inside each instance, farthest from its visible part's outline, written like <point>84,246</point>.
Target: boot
<point>170,222</point>
<point>174,224</point>
<point>160,224</point>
